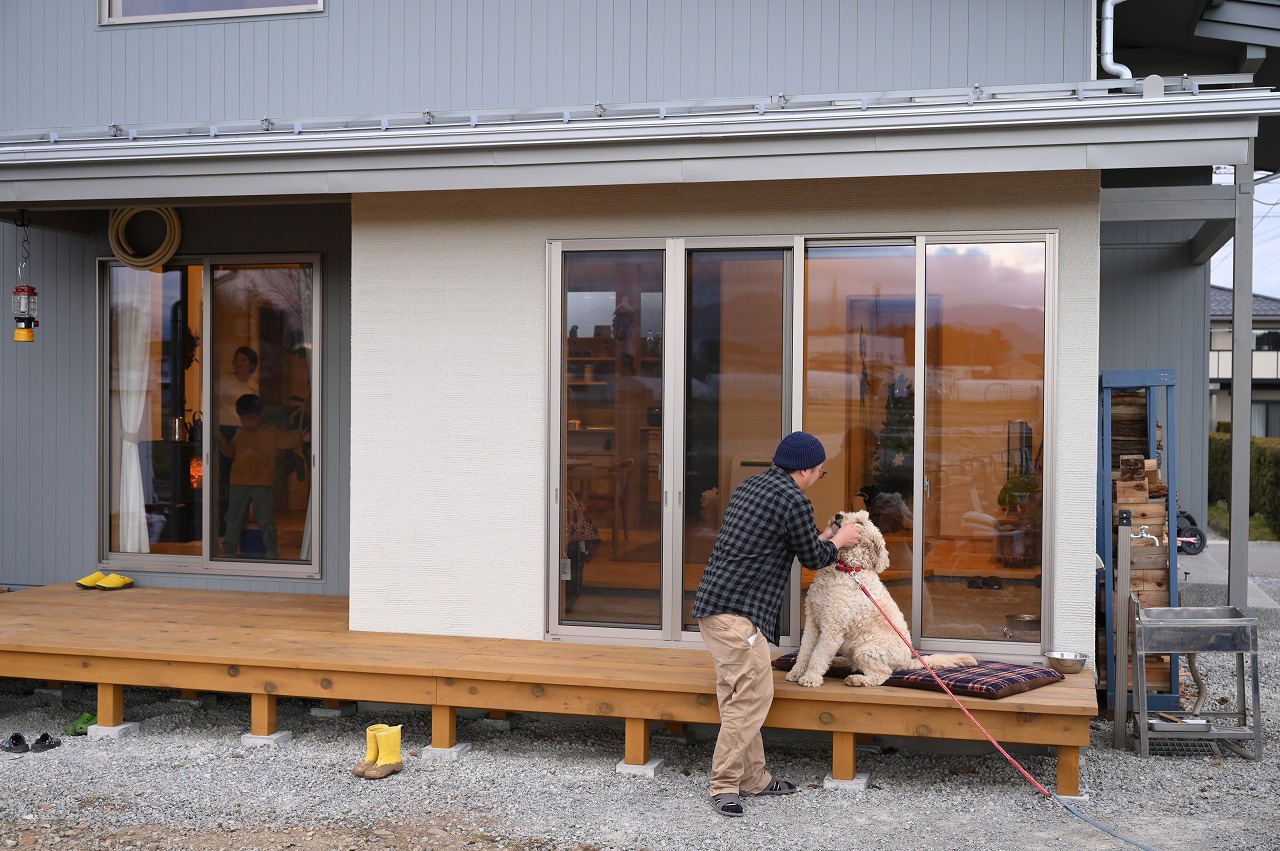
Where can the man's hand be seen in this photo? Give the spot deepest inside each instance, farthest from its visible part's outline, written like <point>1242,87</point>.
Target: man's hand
<point>847,536</point>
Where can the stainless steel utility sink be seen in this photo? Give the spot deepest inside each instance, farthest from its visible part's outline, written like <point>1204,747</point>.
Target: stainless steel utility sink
<point>1188,629</point>
<point>1192,630</point>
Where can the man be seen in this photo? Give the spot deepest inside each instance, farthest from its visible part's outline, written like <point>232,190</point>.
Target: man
<point>768,524</point>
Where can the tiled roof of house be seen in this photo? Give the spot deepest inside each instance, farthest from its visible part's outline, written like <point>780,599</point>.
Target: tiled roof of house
<point>1220,303</point>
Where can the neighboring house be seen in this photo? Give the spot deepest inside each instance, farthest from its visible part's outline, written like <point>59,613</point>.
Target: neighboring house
<point>1265,405</point>
<point>542,281</point>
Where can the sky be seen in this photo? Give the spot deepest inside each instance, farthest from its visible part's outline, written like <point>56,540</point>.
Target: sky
<point>1266,240</point>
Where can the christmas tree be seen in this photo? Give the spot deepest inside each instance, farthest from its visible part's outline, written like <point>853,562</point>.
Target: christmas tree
<point>895,460</point>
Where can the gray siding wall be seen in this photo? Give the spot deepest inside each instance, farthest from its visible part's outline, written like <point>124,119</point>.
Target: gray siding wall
<point>1155,315</point>
<point>48,525</point>
<point>395,56</point>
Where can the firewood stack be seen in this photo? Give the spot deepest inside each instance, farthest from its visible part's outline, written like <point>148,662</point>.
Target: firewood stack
<point>1139,489</point>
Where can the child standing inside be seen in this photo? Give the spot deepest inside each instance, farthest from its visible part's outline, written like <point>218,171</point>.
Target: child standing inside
<point>253,473</point>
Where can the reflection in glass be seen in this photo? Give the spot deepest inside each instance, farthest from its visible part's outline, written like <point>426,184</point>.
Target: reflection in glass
<point>734,389</point>
<point>984,438</point>
<point>262,418</point>
<point>154,393</point>
<point>610,543</point>
<point>859,391</point>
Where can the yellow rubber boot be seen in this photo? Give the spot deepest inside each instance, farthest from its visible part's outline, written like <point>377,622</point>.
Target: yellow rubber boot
<point>389,760</point>
<point>371,750</point>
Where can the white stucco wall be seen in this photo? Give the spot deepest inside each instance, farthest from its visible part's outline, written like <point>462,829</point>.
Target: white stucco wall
<point>449,371</point>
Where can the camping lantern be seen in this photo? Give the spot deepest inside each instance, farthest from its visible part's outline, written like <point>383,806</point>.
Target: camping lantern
<point>24,313</point>
<point>24,295</point>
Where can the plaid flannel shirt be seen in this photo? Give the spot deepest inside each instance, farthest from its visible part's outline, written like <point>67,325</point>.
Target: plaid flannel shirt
<point>769,522</point>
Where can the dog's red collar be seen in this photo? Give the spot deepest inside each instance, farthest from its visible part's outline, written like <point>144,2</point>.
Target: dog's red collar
<point>844,567</point>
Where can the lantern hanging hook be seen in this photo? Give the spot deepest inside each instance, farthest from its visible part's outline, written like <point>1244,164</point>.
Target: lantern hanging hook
<point>24,221</point>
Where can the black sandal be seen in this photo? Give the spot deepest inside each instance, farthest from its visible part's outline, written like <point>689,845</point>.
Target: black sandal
<point>15,744</point>
<point>727,804</point>
<point>779,787</point>
<point>45,742</point>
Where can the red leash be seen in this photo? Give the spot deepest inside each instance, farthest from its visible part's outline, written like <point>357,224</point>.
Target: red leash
<point>855,571</point>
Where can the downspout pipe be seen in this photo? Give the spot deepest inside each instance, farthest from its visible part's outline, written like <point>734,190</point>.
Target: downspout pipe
<point>1106,49</point>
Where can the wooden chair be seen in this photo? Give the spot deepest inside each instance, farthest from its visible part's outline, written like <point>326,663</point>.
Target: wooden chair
<point>619,475</point>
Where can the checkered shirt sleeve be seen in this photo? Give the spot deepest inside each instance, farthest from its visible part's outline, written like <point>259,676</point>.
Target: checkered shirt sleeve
<point>769,522</point>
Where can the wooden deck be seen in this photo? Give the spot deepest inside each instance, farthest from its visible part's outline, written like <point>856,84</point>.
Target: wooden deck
<point>273,645</point>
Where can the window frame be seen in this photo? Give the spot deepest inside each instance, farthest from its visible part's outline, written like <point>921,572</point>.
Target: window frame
<point>675,284</point>
<point>107,18</point>
<point>205,563</point>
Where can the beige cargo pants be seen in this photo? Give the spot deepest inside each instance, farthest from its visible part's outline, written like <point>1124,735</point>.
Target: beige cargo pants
<point>744,687</point>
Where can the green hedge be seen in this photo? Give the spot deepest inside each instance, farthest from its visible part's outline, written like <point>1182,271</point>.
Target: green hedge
<point>1264,475</point>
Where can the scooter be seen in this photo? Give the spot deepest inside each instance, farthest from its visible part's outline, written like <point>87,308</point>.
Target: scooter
<point>1190,539</point>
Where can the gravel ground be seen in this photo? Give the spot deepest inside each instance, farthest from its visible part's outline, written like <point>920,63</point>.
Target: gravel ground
<point>185,781</point>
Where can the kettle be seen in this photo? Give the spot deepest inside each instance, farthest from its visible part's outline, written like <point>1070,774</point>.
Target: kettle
<point>195,432</point>
<point>177,430</point>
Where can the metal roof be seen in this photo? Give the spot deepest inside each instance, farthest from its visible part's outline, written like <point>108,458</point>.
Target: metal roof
<point>1097,124</point>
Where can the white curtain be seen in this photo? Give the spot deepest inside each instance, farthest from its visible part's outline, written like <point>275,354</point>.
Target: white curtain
<point>306,288</point>
<point>132,303</point>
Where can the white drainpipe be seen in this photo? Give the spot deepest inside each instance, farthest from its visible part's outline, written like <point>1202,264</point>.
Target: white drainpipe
<point>1107,48</point>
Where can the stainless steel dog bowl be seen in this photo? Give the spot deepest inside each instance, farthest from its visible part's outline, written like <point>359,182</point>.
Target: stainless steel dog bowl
<point>1064,662</point>
<point>1023,622</point>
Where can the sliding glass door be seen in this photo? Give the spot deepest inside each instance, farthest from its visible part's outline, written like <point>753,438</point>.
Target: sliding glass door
<point>920,362</point>
<point>209,404</point>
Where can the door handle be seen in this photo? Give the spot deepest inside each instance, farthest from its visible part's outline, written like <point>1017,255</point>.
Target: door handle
<point>926,487</point>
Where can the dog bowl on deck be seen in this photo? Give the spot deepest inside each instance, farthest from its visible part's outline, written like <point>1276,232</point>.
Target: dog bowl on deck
<point>1023,622</point>
<point>1064,662</point>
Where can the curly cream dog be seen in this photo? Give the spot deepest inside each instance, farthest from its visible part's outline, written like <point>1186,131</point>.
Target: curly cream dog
<point>841,618</point>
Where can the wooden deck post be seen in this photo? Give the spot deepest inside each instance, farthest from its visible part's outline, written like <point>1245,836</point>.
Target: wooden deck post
<point>637,742</point>
<point>444,726</point>
<point>1069,770</point>
<point>110,705</point>
<point>262,718</point>
<point>844,760</point>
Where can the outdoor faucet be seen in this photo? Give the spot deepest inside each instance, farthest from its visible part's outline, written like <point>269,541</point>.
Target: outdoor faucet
<point>1143,533</point>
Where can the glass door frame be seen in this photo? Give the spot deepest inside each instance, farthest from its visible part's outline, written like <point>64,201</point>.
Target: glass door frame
<point>986,649</point>
<point>204,563</point>
<point>674,373</point>
<point>673,443</point>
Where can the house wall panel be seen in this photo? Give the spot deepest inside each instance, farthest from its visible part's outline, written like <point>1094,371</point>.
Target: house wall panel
<point>399,56</point>
<point>48,394</point>
<point>457,281</point>
<point>1154,314</point>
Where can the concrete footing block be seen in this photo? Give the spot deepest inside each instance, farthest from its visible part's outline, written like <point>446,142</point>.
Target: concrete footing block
<point>119,731</point>
<point>68,693</point>
<point>346,710</point>
<point>378,706</point>
<point>648,771</point>
<point>857,784</point>
<point>249,740</point>
<point>1082,798</point>
<point>452,754</point>
<point>505,725</point>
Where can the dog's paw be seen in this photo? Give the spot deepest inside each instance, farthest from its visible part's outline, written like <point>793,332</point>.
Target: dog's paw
<point>793,674</point>
<point>862,680</point>
<point>810,680</point>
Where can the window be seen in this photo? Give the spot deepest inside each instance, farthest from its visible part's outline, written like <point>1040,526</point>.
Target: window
<point>142,11</point>
<point>1265,419</point>
<point>209,404</point>
<point>1266,341</point>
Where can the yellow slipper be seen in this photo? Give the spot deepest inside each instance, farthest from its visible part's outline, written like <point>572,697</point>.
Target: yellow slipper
<point>114,582</point>
<point>91,580</point>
